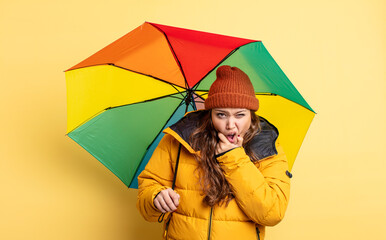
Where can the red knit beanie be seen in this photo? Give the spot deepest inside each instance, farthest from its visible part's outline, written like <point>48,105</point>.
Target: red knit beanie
<point>231,89</point>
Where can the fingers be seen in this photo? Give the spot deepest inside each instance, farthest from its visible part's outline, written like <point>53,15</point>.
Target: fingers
<point>175,197</point>
<point>158,205</point>
<point>167,200</point>
<point>222,138</point>
<point>239,141</point>
<point>224,144</point>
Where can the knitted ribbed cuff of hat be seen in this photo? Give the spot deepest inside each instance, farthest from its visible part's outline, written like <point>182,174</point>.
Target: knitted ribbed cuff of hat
<point>232,100</point>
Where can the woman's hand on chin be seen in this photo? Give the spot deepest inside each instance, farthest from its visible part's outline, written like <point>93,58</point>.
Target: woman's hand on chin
<point>225,145</point>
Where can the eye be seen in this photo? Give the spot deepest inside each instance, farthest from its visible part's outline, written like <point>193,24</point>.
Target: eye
<point>220,115</point>
<point>240,115</point>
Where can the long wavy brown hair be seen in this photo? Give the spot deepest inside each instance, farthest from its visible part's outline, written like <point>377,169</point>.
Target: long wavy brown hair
<point>215,187</point>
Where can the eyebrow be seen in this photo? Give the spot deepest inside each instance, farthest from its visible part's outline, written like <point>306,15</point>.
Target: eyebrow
<point>224,111</point>
<point>241,111</point>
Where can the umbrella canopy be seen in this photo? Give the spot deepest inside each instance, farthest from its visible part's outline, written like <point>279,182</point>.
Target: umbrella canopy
<point>121,98</point>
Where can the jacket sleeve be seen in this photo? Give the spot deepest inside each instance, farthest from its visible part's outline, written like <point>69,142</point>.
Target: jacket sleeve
<point>261,192</point>
<point>157,176</point>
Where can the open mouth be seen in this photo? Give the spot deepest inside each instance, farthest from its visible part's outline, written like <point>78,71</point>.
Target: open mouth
<point>231,137</point>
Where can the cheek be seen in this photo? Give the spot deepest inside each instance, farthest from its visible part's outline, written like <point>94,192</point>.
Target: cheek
<point>217,124</point>
<point>245,125</point>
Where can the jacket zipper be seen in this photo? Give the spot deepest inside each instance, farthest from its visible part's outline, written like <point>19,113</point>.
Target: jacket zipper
<point>210,222</point>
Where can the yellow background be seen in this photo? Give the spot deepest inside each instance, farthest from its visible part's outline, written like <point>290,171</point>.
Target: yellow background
<point>333,51</point>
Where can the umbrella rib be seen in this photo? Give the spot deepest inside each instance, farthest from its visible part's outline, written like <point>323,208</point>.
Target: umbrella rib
<point>177,90</point>
<point>144,74</point>
<point>200,96</point>
<point>88,119</point>
<point>274,94</point>
<point>174,54</point>
<point>159,79</point>
<point>159,132</point>
<point>194,101</point>
<point>171,115</point>
<point>266,94</point>
<point>149,100</point>
<point>108,108</point>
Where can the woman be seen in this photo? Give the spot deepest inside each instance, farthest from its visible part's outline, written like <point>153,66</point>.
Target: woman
<point>227,170</point>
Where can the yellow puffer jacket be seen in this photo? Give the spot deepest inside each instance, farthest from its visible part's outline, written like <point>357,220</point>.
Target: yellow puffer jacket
<point>261,190</point>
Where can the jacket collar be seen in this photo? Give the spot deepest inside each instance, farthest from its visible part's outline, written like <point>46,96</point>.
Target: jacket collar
<point>263,144</point>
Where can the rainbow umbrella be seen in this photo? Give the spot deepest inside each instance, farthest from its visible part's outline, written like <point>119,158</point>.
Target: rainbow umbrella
<point>121,98</point>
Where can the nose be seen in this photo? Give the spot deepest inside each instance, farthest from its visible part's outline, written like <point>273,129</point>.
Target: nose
<point>230,123</point>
